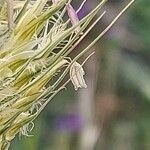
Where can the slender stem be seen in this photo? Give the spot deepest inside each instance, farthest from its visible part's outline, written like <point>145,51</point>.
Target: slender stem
<point>10,14</point>
<point>104,31</point>
<point>85,34</point>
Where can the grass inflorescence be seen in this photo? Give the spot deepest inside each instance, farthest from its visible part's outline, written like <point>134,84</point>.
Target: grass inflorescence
<point>35,43</point>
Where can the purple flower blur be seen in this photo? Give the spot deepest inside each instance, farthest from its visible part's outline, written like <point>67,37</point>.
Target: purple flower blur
<point>70,123</point>
<point>84,11</point>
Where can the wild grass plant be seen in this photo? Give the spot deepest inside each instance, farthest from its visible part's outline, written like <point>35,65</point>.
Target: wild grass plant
<point>35,42</point>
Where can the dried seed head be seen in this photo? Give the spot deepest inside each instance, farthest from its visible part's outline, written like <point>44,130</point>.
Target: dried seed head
<point>76,75</point>
<point>73,16</point>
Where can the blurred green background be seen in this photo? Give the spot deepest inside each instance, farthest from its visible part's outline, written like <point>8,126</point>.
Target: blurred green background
<point>113,113</point>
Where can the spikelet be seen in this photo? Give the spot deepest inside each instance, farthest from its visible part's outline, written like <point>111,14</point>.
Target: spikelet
<point>76,76</point>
